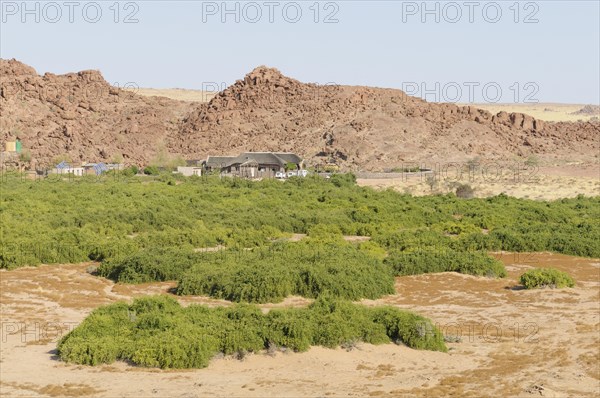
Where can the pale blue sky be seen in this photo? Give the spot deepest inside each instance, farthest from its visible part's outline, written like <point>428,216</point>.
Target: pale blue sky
<point>374,43</point>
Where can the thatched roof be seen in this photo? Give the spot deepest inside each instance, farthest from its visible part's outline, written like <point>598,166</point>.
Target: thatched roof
<point>219,161</point>
<point>271,158</point>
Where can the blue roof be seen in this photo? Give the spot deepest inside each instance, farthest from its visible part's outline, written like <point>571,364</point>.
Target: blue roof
<point>100,168</point>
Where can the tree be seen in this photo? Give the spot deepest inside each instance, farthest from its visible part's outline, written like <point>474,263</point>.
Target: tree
<point>532,161</point>
<point>25,156</point>
<point>465,191</point>
<point>431,180</point>
<point>163,159</point>
<point>290,166</point>
<point>117,159</point>
<point>61,158</point>
<point>151,170</point>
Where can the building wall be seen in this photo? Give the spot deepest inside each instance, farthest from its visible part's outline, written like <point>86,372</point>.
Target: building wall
<point>189,171</point>
<point>78,171</point>
<point>11,146</point>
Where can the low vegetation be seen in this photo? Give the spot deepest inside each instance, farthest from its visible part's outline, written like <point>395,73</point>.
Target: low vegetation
<point>158,332</point>
<point>60,220</point>
<point>546,278</point>
<point>445,260</point>
<point>465,191</point>
<point>272,273</point>
<point>227,237</point>
<point>265,274</point>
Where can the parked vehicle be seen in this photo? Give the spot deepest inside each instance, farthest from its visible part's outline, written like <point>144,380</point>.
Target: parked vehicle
<point>291,173</point>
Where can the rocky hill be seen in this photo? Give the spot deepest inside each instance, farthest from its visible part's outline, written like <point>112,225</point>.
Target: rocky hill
<point>366,127</point>
<point>80,114</point>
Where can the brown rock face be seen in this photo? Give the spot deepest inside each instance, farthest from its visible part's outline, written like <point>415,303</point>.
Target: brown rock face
<point>81,115</point>
<point>373,128</point>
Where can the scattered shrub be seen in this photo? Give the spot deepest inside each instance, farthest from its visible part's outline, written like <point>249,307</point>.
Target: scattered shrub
<point>155,264</point>
<point>532,161</point>
<point>465,191</point>
<point>413,330</point>
<point>151,170</point>
<point>25,156</point>
<point>445,260</point>
<point>546,277</point>
<point>130,171</point>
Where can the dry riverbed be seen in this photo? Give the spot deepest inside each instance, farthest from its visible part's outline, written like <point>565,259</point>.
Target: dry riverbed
<point>510,342</point>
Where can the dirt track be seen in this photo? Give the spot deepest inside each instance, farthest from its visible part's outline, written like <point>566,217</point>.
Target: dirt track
<point>514,342</point>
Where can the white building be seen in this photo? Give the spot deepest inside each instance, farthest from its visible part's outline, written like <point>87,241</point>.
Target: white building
<point>189,171</point>
<point>77,171</point>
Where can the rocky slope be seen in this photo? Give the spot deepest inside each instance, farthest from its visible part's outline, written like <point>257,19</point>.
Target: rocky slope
<point>80,114</point>
<point>364,127</point>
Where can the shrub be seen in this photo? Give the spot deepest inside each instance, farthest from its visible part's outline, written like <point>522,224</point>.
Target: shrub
<point>308,268</point>
<point>325,232</point>
<point>158,332</point>
<point>445,260</point>
<point>130,171</point>
<point>343,180</point>
<point>546,277</point>
<point>336,322</point>
<point>290,328</point>
<point>532,161</point>
<point>149,265</point>
<point>465,191</point>
<point>413,330</point>
<point>169,350</point>
<point>25,156</point>
<point>151,170</point>
<point>96,351</point>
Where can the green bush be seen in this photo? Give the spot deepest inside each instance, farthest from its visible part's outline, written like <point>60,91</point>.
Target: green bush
<point>151,170</point>
<point>291,328</point>
<point>546,277</point>
<point>130,171</point>
<point>434,259</point>
<point>308,268</point>
<point>156,264</point>
<point>343,180</point>
<point>413,330</point>
<point>336,322</point>
<point>158,332</point>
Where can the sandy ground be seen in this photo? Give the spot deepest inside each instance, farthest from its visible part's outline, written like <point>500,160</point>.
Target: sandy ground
<point>176,94</point>
<point>537,182</point>
<point>551,112</point>
<point>512,342</point>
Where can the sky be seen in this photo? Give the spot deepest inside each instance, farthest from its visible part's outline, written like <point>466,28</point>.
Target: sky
<point>462,51</point>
